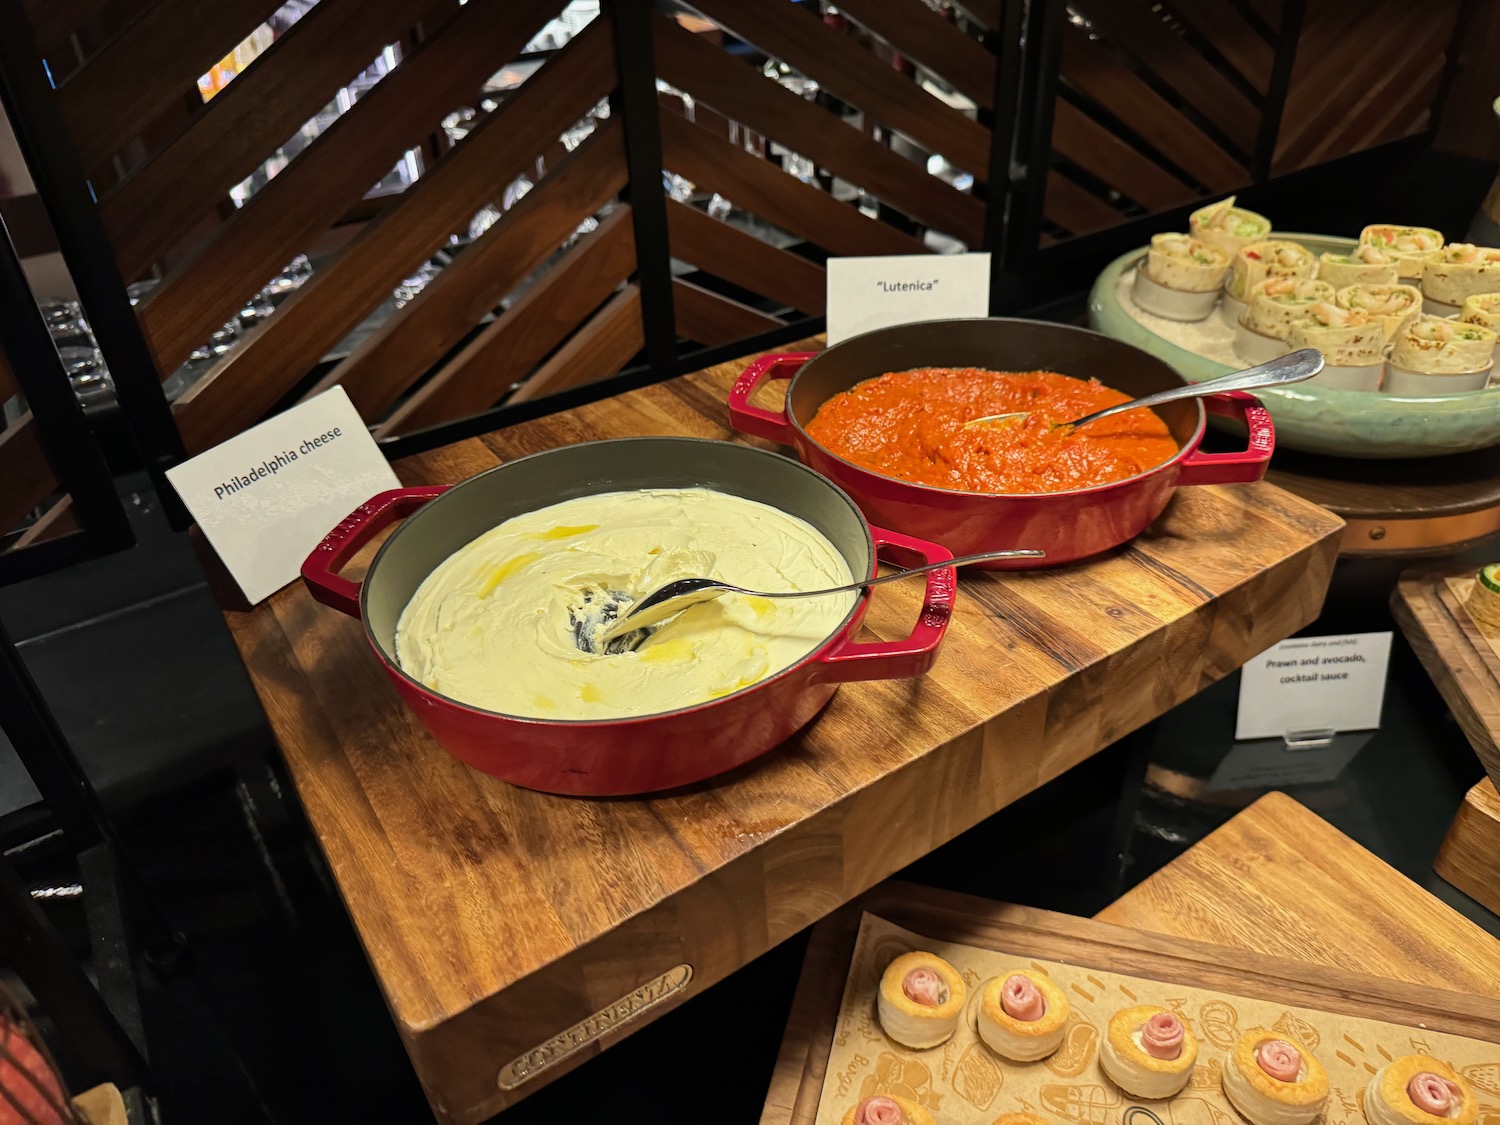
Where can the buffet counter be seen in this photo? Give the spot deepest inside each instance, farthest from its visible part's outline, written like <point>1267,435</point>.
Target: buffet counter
<point>517,933</point>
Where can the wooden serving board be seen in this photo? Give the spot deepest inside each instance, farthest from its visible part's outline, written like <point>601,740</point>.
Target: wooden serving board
<point>944,916</point>
<point>508,925</point>
<point>1467,674</point>
<point>1455,654</point>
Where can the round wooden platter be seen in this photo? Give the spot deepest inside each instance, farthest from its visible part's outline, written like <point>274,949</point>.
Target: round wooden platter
<point>1429,507</point>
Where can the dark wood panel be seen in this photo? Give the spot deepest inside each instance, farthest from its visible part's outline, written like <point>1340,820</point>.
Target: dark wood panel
<point>517,340</point>
<point>729,85</point>
<point>232,135</point>
<point>1222,24</point>
<point>283,217</point>
<point>8,385</point>
<point>728,252</point>
<point>27,475</point>
<point>924,36</point>
<point>711,318</point>
<point>1140,31</point>
<point>250,379</point>
<point>853,73</point>
<point>54,23</point>
<point>1377,122</point>
<point>1074,209</point>
<point>1361,65</point>
<point>765,190</point>
<point>141,71</point>
<point>1270,11</point>
<point>1468,124</point>
<point>429,326</point>
<point>1091,146</point>
<point>1092,72</point>
<point>596,351</point>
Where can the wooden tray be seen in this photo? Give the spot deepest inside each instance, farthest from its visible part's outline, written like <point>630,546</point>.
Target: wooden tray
<point>1467,674</point>
<point>797,1081</point>
<point>507,926</point>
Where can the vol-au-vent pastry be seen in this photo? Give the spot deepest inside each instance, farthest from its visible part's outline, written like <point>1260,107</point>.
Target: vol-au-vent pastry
<point>1419,1090</point>
<point>1462,270</point>
<point>1364,265</point>
<point>1394,305</point>
<point>1482,309</point>
<point>1279,301</point>
<point>888,1109</point>
<point>1437,346</point>
<point>1272,257</point>
<point>1227,227</point>
<point>921,1000</point>
<point>1274,1080</point>
<point>1021,1016</point>
<point>1412,247</point>
<point>1147,1051</point>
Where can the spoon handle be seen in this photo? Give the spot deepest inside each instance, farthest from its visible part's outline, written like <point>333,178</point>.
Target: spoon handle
<point>961,560</point>
<point>1290,368</point>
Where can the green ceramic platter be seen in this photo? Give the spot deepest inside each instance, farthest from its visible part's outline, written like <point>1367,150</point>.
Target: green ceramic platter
<point>1316,419</point>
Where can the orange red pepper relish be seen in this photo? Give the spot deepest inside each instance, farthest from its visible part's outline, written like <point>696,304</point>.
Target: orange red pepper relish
<point>910,425</point>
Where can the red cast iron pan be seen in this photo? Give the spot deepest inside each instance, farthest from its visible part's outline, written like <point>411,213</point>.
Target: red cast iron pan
<point>1066,525</point>
<point>653,752</point>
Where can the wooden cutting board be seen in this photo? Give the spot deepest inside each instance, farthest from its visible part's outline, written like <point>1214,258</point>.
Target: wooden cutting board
<point>1467,674</point>
<point>506,925</point>
<point>945,916</point>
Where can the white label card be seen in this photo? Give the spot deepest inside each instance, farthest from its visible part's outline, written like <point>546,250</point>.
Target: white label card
<point>267,497</point>
<point>1314,684</point>
<point>869,293</point>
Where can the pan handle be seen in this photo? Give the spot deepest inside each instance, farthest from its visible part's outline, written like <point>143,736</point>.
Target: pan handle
<point>757,421</point>
<point>914,653</point>
<point>1234,468</point>
<point>320,570</point>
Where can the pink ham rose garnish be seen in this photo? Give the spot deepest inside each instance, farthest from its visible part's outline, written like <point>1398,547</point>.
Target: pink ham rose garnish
<point>1432,1093</point>
<point>878,1111</point>
<point>1161,1036</point>
<point>925,987</point>
<point>1020,999</point>
<point>1279,1059</point>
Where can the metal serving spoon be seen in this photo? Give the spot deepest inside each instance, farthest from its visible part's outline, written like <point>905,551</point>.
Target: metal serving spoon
<point>1290,368</point>
<point>684,593</point>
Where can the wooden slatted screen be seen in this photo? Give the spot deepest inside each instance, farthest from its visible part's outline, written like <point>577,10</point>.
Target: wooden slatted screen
<point>1363,75</point>
<point>871,133</point>
<point>1156,107</point>
<point>535,283</point>
<point>1159,104</point>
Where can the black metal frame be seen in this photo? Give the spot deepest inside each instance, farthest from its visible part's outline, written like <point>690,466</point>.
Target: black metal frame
<point>634,100</point>
<point>27,93</point>
<point>62,430</point>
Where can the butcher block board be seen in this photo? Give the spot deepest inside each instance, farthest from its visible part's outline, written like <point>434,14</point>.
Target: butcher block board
<point>834,1053</point>
<point>516,934</point>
